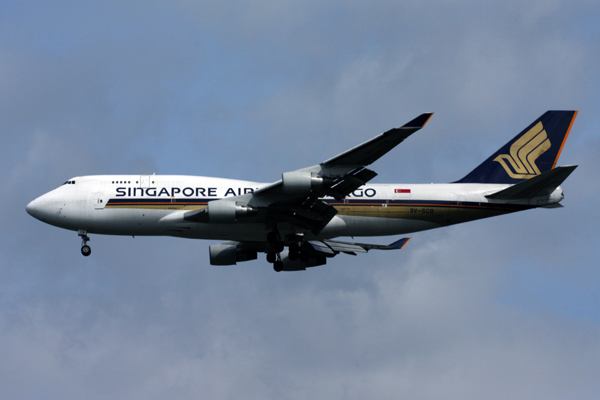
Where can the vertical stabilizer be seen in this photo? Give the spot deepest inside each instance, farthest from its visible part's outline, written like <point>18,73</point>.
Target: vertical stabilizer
<point>532,152</point>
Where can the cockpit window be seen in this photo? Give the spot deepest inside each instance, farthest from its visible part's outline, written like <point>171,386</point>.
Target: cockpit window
<point>69,183</point>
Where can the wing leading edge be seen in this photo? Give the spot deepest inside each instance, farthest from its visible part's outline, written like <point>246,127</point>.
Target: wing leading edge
<point>371,150</point>
<point>295,198</point>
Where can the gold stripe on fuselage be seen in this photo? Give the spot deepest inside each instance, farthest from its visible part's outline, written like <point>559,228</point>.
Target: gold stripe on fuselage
<point>443,214</point>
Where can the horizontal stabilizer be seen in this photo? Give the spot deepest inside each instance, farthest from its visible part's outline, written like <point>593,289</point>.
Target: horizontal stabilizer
<point>540,185</point>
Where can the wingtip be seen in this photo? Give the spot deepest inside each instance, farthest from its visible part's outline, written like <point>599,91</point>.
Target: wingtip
<point>565,138</point>
<point>399,244</point>
<point>418,122</point>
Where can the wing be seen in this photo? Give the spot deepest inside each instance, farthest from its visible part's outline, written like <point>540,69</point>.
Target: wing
<point>316,252</point>
<point>335,247</point>
<point>295,198</point>
<point>371,150</point>
<point>321,250</point>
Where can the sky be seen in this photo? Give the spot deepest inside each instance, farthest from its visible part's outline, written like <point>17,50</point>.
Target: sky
<point>503,308</point>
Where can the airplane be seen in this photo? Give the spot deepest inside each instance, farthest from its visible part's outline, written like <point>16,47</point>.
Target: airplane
<point>295,220</point>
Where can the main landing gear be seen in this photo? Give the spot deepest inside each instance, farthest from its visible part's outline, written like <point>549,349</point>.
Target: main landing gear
<point>85,249</point>
<point>274,256</point>
<point>299,249</point>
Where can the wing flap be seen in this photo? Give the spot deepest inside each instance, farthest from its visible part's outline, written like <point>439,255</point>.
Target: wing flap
<point>334,247</point>
<point>313,214</point>
<point>350,182</point>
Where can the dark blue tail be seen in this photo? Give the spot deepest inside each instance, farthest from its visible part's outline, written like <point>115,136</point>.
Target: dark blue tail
<point>531,153</point>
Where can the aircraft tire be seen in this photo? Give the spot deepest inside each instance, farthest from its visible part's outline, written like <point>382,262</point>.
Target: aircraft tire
<point>86,250</point>
<point>278,266</point>
<point>271,257</point>
<point>271,237</point>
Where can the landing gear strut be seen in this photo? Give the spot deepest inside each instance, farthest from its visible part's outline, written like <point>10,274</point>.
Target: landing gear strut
<point>85,249</point>
<point>274,256</point>
<point>275,259</point>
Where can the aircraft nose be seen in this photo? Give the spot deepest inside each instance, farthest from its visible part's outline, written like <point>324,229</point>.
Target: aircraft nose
<point>31,208</point>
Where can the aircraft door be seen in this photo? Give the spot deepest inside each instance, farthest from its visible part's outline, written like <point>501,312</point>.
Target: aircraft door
<point>99,200</point>
<point>144,181</point>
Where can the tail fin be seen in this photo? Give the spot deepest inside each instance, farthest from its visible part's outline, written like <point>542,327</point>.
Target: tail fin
<point>532,152</point>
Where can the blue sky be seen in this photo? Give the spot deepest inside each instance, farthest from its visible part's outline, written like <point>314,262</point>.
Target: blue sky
<point>500,308</point>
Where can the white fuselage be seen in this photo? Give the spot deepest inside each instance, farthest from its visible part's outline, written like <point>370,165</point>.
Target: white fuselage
<point>155,205</point>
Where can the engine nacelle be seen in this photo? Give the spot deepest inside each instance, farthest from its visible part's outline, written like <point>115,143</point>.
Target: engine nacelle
<point>299,265</point>
<point>230,253</point>
<point>301,182</point>
<point>228,211</point>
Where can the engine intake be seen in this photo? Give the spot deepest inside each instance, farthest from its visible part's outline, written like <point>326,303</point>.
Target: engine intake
<point>230,253</point>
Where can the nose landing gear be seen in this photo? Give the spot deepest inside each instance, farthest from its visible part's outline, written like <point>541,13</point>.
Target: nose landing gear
<point>85,249</point>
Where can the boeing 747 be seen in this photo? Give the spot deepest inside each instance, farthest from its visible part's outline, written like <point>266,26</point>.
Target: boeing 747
<point>295,220</point>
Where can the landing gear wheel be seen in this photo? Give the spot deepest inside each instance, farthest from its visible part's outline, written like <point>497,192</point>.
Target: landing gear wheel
<point>294,247</point>
<point>272,237</point>
<point>278,246</point>
<point>86,250</point>
<point>271,257</point>
<point>293,255</point>
<point>278,266</point>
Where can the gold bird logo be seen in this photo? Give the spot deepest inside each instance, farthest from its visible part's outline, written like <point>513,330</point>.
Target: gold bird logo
<point>524,152</point>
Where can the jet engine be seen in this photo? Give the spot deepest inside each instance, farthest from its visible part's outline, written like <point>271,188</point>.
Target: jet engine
<point>313,260</point>
<point>221,211</point>
<point>228,211</point>
<point>230,253</point>
<point>301,182</point>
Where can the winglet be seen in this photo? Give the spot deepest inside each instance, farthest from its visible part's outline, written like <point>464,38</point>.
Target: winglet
<point>418,122</point>
<point>399,244</point>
